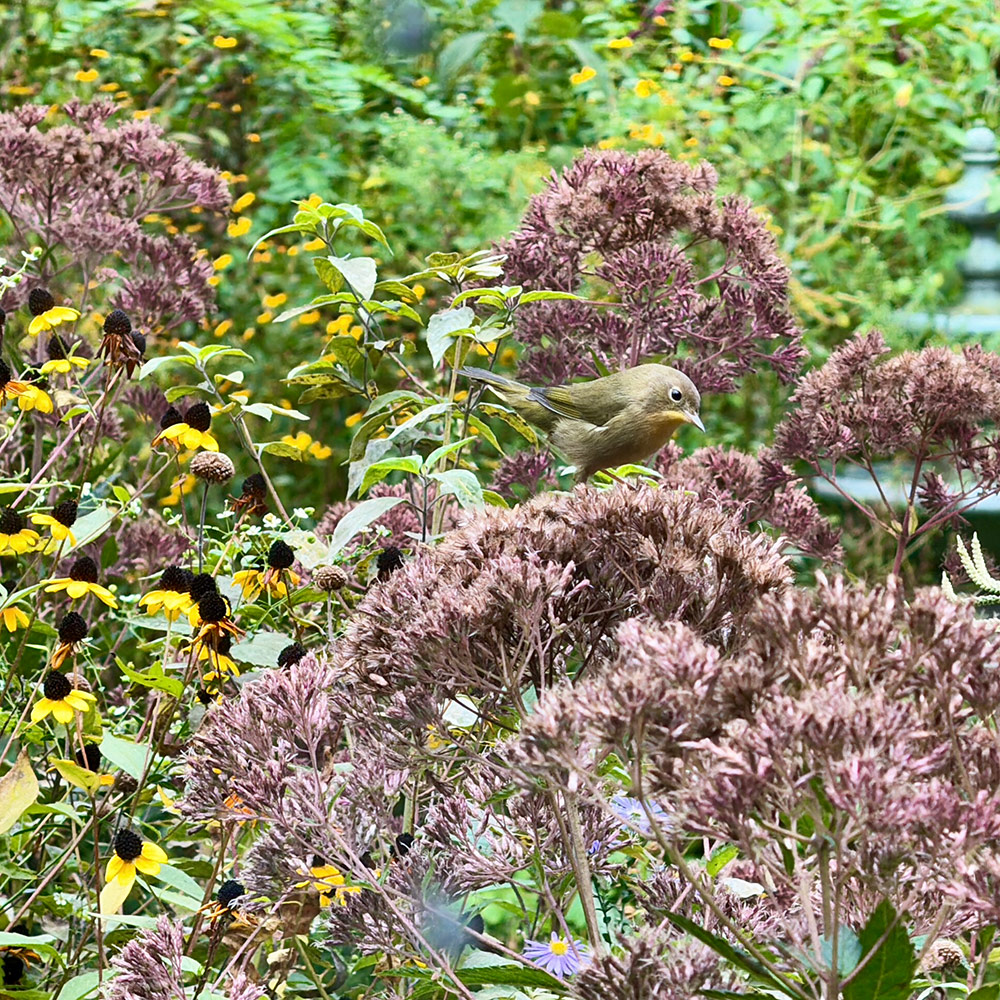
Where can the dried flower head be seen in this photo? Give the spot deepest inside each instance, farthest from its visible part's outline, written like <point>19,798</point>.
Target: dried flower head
<point>692,276</point>
<point>213,467</point>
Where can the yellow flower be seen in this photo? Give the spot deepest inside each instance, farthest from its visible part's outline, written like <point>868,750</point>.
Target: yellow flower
<point>15,535</point>
<point>244,201</point>
<point>239,228</point>
<point>645,88</point>
<point>78,585</point>
<point>583,75</point>
<point>85,75</point>
<point>421,81</point>
<point>222,42</point>
<point>61,700</point>
<point>726,81</point>
<point>221,263</point>
<point>532,99</point>
<point>131,854</point>
<point>60,531</point>
<point>691,143</point>
<point>180,487</point>
<point>63,366</point>
<point>100,53</point>
<point>13,618</point>
<point>620,43</point>
<point>52,318</point>
<point>223,328</point>
<point>253,137</point>
<point>320,451</point>
<point>720,43</point>
<point>329,883</point>
<point>184,435</point>
<point>34,398</point>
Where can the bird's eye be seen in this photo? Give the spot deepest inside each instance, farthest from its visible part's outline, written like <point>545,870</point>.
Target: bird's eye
<point>676,395</point>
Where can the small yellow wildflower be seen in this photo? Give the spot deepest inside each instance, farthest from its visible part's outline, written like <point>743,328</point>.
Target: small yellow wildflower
<point>244,201</point>
<point>222,42</point>
<point>239,228</point>
<point>720,43</point>
<point>221,263</point>
<point>13,618</point>
<point>583,75</point>
<point>131,854</point>
<point>85,75</point>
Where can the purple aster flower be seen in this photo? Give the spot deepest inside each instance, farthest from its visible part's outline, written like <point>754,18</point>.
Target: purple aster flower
<point>560,956</point>
<point>634,815</point>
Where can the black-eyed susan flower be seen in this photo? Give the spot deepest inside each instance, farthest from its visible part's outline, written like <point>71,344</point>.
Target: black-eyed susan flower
<point>131,854</point>
<point>72,631</point>
<point>211,619</point>
<point>118,345</point>
<point>218,659</point>
<point>222,905</point>
<point>252,496</point>
<point>280,557</point>
<point>46,315</point>
<point>60,522</point>
<point>61,700</point>
<point>62,360</point>
<point>192,432</point>
<point>15,535</point>
<point>328,882</point>
<point>82,580</point>
<point>12,618</point>
<point>10,387</point>
<point>171,594</point>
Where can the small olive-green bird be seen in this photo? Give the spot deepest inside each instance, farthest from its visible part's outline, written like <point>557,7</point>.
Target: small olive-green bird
<point>619,418</point>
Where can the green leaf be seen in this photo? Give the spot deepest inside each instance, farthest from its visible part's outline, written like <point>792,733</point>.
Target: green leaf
<point>361,273</point>
<point>76,775</point>
<point>494,499</point>
<point>261,649</point>
<point>991,992</point>
<point>183,882</point>
<point>733,955</point>
<point>446,449</point>
<point>283,450</point>
<point>434,410</point>
<point>497,975</point>
<point>512,419</point>
<point>885,971</point>
<point>458,53</point>
<point>463,484</point>
<point>721,857</point>
<point>848,951</point>
<point>154,364</point>
<point>377,471</point>
<point>357,519</point>
<point>153,678</point>
<point>444,326</point>
<point>40,943</point>
<point>485,432</point>
<point>18,791</point>
<point>80,986</point>
<point>295,227</point>
<point>546,296</point>
<point>131,757</point>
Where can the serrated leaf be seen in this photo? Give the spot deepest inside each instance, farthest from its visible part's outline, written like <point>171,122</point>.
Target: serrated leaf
<point>18,791</point>
<point>885,971</point>
<point>357,519</point>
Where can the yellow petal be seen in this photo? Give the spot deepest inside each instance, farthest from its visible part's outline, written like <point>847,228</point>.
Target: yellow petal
<point>77,589</point>
<point>41,709</point>
<point>63,712</point>
<point>114,894</point>
<point>104,594</point>
<point>147,867</point>
<point>114,867</point>
<point>153,852</point>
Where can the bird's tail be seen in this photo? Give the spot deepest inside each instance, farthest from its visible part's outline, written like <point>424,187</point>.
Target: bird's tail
<point>491,379</point>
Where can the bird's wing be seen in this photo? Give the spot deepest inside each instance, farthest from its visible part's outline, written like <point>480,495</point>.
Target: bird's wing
<point>591,401</point>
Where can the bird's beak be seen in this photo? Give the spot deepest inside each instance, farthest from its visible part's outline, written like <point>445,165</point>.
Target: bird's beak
<point>693,418</point>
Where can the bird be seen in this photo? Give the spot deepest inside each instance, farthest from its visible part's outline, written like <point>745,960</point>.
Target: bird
<point>613,420</point>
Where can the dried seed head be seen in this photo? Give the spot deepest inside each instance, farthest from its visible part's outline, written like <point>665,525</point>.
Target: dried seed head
<point>330,578</point>
<point>213,467</point>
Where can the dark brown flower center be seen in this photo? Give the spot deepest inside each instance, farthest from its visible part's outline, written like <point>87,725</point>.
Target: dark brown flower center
<point>65,513</point>
<point>72,628</point>
<point>198,416</point>
<point>11,522</point>
<point>128,845</point>
<point>213,607</point>
<point>84,569</point>
<point>280,555</point>
<point>56,686</point>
